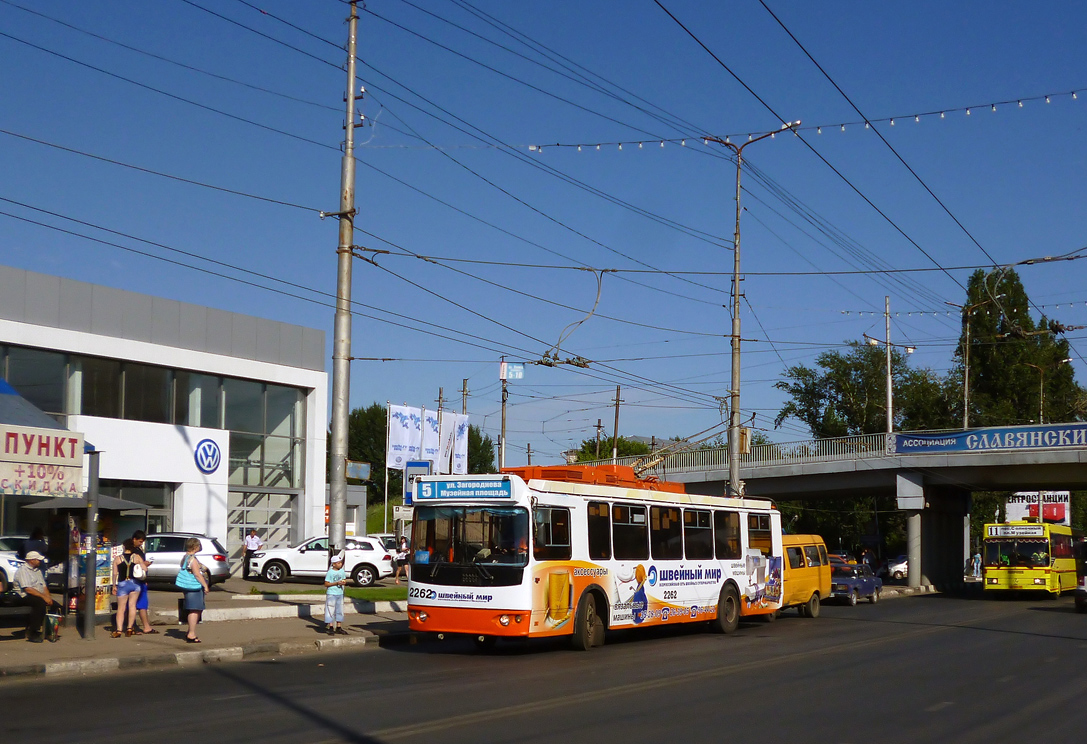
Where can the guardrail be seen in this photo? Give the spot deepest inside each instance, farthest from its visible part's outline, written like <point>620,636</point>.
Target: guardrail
<point>763,455</point>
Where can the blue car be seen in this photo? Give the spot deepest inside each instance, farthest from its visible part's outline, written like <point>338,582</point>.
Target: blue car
<point>850,583</point>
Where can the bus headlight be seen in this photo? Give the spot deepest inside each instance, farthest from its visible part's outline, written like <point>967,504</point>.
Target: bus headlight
<point>991,581</point>
<point>504,620</point>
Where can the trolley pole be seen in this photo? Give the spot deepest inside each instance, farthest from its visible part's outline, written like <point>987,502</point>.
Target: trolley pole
<point>341,354</point>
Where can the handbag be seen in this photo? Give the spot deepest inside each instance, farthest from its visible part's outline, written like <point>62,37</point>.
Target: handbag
<point>185,580</point>
<point>138,572</point>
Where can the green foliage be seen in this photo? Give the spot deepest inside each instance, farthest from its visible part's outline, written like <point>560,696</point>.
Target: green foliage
<point>626,448</point>
<point>846,394</point>
<point>480,451</point>
<point>1014,362</point>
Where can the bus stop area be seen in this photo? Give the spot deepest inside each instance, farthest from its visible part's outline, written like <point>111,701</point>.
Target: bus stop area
<point>236,625</point>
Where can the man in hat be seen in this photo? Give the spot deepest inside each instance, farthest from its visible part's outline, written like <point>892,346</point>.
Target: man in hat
<point>29,584</point>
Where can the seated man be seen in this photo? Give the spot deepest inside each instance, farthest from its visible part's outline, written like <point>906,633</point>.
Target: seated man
<point>29,584</point>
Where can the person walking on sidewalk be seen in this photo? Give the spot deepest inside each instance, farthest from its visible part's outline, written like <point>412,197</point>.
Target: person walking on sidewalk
<point>29,584</point>
<point>334,583</point>
<point>977,565</point>
<point>402,553</point>
<point>190,579</point>
<point>252,545</point>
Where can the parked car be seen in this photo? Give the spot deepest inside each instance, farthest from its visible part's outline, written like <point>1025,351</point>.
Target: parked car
<point>850,583</point>
<point>898,568</point>
<point>366,560</point>
<point>166,549</point>
<point>9,559</point>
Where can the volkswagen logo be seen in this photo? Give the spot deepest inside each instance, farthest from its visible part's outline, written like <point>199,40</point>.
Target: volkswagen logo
<point>207,456</point>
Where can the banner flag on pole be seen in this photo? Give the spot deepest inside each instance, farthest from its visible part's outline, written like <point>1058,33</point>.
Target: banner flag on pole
<point>431,441</point>
<point>405,436</point>
<point>460,445</point>
<point>448,431</point>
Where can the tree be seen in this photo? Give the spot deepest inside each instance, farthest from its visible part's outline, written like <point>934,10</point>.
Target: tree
<point>627,447</point>
<point>1014,362</point>
<point>846,394</point>
<point>480,451</point>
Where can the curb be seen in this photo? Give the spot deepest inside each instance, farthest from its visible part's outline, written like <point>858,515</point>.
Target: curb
<point>303,609</point>
<point>189,659</point>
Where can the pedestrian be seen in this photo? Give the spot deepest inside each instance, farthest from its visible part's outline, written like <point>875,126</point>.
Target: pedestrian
<point>977,565</point>
<point>139,574</point>
<point>334,583</point>
<point>252,545</point>
<point>190,580</point>
<point>29,584</point>
<point>126,567</point>
<point>402,553</point>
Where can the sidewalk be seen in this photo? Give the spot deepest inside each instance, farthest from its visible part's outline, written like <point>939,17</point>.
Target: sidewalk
<point>237,625</point>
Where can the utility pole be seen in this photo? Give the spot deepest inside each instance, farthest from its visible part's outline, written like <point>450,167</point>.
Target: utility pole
<point>735,487</point>
<point>530,454</point>
<point>464,397</point>
<point>890,396</point>
<point>341,353</point>
<point>967,313</point>
<point>599,431</point>
<point>615,432</point>
<point>505,397</point>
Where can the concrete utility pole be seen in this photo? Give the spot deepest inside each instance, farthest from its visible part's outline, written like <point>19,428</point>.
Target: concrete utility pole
<point>505,397</point>
<point>464,398</point>
<point>341,354</point>
<point>890,395</point>
<point>599,431</point>
<point>530,454</point>
<point>91,536</point>
<point>967,312</point>
<point>735,486</point>
<point>615,431</point>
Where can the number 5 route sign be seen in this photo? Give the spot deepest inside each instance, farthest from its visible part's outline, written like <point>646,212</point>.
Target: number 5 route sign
<point>412,470</point>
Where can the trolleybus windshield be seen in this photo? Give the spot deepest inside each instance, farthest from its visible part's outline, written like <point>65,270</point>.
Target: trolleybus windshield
<point>470,545</point>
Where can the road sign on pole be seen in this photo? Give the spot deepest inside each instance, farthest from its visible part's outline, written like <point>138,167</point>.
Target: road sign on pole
<point>412,470</point>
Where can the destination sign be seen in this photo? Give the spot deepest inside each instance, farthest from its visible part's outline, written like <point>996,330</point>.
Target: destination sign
<point>463,489</point>
<point>1016,530</point>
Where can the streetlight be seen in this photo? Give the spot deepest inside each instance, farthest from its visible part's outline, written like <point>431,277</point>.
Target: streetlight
<point>967,310</point>
<point>734,484</point>
<point>1041,384</point>
<point>888,345</point>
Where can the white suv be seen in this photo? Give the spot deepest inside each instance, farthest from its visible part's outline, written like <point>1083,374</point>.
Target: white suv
<point>366,562</point>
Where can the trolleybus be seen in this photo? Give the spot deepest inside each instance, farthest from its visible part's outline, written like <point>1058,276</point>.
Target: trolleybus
<point>1028,555</point>
<point>573,551</point>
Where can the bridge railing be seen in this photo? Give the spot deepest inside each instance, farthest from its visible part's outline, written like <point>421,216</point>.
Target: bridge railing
<point>764,455</point>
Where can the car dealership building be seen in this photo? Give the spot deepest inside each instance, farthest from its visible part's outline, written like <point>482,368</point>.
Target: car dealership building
<point>213,420</point>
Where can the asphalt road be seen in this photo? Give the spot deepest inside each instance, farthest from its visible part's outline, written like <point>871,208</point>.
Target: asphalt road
<point>925,668</point>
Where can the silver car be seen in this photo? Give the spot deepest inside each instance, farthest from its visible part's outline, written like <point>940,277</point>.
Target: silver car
<point>9,559</point>
<point>166,549</point>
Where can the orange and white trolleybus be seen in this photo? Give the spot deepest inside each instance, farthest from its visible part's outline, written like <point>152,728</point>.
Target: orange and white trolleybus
<point>573,551</point>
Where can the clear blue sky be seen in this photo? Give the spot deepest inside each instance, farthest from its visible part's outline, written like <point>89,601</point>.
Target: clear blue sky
<point>1014,178</point>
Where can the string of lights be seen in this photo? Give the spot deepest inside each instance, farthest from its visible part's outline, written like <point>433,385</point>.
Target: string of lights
<point>707,140</point>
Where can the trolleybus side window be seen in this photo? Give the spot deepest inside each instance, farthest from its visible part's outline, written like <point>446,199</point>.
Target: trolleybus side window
<point>796,559</point>
<point>599,531</point>
<point>758,533</point>
<point>630,533</point>
<point>726,534</point>
<point>552,534</point>
<point>697,534</point>
<point>665,533</point>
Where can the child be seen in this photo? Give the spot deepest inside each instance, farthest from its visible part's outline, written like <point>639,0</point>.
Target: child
<point>334,583</point>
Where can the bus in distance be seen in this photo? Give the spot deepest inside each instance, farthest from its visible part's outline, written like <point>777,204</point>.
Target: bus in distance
<point>573,551</point>
<point>1029,555</point>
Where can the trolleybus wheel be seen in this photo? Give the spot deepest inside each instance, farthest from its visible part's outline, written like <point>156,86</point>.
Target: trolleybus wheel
<point>728,610</point>
<point>811,609</point>
<point>588,628</point>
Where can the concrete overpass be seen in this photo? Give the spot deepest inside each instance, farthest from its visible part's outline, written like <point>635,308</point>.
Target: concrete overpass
<point>931,473</point>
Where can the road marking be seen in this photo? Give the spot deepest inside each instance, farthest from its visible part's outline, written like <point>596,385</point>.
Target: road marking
<point>938,706</point>
<point>232,697</point>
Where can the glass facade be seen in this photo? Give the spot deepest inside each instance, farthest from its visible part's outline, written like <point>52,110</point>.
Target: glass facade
<point>266,421</point>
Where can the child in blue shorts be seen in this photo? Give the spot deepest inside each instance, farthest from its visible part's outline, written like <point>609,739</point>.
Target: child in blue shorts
<point>334,583</point>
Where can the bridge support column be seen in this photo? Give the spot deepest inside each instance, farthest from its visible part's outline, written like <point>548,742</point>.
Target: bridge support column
<point>910,490</point>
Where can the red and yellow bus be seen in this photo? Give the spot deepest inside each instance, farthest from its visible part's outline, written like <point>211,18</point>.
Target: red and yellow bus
<point>573,551</point>
<point>1028,555</point>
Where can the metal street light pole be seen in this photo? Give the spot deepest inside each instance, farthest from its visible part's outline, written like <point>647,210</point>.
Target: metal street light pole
<point>1041,385</point>
<point>734,484</point>
<point>967,311</point>
<point>887,343</point>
